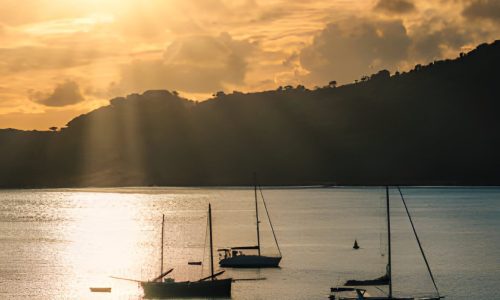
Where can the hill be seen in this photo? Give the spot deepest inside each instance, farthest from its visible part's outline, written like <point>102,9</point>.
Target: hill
<point>437,124</point>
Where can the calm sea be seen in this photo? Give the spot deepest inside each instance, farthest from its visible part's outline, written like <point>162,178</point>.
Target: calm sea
<point>55,244</point>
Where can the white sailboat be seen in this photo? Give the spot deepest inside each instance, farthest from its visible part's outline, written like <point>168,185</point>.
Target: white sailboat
<point>356,287</point>
<point>236,257</point>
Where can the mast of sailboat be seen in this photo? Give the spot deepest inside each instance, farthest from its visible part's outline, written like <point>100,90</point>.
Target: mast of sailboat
<point>211,242</point>
<point>418,241</point>
<point>256,211</point>
<point>270,222</point>
<point>162,233</point>
<point>389,262</point>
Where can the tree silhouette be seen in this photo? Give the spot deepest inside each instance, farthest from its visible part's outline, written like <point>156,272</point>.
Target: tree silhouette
<point>382,74</point>
<point>219,94</point>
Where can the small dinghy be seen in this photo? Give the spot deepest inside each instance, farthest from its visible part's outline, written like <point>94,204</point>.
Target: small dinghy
<point>100,289</point>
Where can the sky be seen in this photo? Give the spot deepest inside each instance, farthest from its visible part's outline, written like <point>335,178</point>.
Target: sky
<point>63,58</point>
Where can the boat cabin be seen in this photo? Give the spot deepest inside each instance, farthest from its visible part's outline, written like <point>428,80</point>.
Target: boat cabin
<point>225,253</point>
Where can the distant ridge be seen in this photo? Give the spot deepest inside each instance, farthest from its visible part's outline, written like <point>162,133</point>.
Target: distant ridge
<point>438,124</point>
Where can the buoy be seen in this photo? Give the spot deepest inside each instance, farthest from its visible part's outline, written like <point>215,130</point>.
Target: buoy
<point>356,246</point>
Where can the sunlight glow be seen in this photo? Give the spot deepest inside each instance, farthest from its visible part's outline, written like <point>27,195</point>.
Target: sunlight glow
<point>114,48</point>
<point>68,26</point>
<point>104,237</point>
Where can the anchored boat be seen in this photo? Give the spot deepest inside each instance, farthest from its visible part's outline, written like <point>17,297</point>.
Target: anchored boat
<point>356,288</point>
<point>207,287</point>
<point>237,257</point>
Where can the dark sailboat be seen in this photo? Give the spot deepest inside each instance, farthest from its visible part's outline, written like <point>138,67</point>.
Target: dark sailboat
<point>234,257</point>
<point>207,287</point>
<point>355,286</point>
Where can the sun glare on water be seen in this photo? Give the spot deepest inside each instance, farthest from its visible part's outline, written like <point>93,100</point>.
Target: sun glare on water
<point>105,240</point>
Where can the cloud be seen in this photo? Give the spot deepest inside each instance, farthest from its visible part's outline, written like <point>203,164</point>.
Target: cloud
<point>196,64</point>
<point>16,13</point>
<point>395,6</point>
<point>433,40</point>
<point>350,48</point>
<point>116,47</point>
<point>33,58</point>
<point>66,93</point>
<point>482,9</point>
<point>346,50</point>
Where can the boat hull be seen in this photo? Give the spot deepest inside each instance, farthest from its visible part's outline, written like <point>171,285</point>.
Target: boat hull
<point>384,298</point>
<point>186,289</point>
<point>250,261</point>
<point>379,298</point>
<point>100,289</point>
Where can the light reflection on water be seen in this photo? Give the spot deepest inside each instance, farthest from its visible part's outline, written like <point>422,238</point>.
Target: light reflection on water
<point>55,244</point>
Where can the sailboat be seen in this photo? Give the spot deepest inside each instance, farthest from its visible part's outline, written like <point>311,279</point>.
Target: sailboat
<point>355,286</point>
<point>234,257</point>
<point>207,287</point>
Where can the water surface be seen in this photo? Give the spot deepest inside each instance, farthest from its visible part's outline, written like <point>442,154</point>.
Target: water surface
<point>55,244</point>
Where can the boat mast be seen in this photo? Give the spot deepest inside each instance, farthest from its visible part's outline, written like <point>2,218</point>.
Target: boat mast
<point>388,241</point>
<point>270,222</point>
<point>162,232</point>
<point>418,241</point>
<point>211,242</point>
<point>256,211</point>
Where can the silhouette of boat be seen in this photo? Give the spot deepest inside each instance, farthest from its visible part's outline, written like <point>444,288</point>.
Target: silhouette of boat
<point>356,246</point>
<point>354,286</point>
<point>234,257</point>
<point>100,289</point>
<point>207,287</point>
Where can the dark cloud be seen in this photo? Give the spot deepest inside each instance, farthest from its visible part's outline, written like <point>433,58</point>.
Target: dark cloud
<point>482,9</point>
<point>429,43</point>
<point>395,6</point>
<point>66,93</point>
<point>347,50</point>
<point>197,64</point>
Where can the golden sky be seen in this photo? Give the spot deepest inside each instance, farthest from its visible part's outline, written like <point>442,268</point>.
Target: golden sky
<point>62,58</point>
